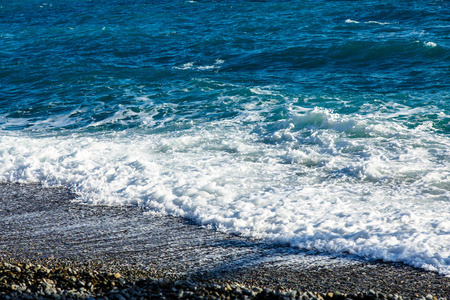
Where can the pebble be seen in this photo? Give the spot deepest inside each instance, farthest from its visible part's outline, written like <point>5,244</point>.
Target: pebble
<point>30,281</point>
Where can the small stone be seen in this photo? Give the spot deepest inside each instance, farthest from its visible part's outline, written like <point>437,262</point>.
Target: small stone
<point>246,292</point>
<point>7,265</point>
<point>71,293</point>
<point>227,287</point>
<point>50,291</point>
<point>268,291</point>
<point>49,282</point>
<point>304,296</point>
<point>238,291</point>
<point>117,275</point>
<point>119,297</point>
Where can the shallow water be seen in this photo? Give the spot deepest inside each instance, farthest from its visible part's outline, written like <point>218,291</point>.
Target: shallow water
<point>322,125</point>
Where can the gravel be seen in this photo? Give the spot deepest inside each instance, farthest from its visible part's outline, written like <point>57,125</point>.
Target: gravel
<point>65,281</point>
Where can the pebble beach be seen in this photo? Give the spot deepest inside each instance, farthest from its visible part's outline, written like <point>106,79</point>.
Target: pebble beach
<point>53,247</point>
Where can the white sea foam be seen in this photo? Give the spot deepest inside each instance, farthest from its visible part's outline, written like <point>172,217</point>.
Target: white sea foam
<point>430,44</point>
<point>261,91</point>
<point>359,184</point>
<point>350,21</point>
<point>193,66</point>
<point>377,22</point>
<point>185,66</point>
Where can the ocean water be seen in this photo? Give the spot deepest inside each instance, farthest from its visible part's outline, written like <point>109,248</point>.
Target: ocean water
<point>323,125</point>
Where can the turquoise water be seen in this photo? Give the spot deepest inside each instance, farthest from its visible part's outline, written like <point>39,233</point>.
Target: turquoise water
<point>319,124</point>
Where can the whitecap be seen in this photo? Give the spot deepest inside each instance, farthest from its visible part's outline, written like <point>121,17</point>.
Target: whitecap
<point>260,91</point>
<point>379,23</point>
<point>430,44</point>
<point>192,66</point>
<point>186,66</point>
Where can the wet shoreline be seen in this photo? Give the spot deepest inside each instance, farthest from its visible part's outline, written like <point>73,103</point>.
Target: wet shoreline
<point>43,226</point>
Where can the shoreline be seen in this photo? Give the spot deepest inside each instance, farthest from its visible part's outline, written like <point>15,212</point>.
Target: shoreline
<point>42,226</point>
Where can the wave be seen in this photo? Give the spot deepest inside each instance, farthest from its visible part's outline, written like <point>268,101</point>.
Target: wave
<point>376,55</point>
<point>359,184</point>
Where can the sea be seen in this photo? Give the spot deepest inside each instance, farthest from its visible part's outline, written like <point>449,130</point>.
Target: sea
<point>318,125</point>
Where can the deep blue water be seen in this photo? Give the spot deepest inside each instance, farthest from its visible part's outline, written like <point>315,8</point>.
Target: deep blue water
<point>98,55</point>
<point>321,124</point>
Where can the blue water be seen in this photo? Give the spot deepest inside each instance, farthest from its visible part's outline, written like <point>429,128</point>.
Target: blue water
<point>323,125</point>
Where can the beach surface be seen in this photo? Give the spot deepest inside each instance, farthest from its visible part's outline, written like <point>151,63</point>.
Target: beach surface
<point>47,227</point>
